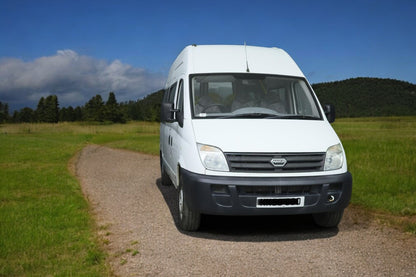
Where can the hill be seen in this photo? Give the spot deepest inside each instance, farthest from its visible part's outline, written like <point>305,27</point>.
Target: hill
<point>359,97</point>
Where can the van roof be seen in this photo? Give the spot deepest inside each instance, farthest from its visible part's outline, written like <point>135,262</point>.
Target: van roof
<point>233,59</point>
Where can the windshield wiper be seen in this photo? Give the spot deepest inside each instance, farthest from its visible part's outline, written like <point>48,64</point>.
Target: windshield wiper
<point>270,116</point>
<point>250,115</point>
<point>299,116</point>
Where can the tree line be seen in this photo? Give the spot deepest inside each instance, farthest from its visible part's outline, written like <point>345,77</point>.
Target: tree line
<point>366,97</point>
<point>96,109</point>
<point>356,97</point>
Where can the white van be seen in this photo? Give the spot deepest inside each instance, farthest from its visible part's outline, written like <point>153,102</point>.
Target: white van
<point>242,133</point>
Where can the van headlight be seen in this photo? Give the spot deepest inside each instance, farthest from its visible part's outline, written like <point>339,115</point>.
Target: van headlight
<point>334,157</point>
<point>212,158</point>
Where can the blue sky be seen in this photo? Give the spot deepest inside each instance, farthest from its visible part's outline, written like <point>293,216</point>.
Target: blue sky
<point>77,49</point>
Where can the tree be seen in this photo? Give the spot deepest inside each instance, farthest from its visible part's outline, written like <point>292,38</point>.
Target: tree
<point>4,112</point>
<point>78,114</point>
<point>147,108</point>
<point>15,117</point>
<point>150,106</point>
<point>67,114</point>
<point>25,115</point>
<point>48,109</point>
<point>94,109</point>
<point>41,110</point>
<point>359,97</point>
<point>133,110</point>
<point>111,101</point>
<point>113,110</point>
<point>51,109</point>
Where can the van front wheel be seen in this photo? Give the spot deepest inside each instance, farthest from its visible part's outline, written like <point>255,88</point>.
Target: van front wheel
<point>188,219</point>
<point>328,220</point>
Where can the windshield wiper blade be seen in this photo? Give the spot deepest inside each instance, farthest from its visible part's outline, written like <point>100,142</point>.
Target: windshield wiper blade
<point>250,115</point>
<point>299,116</point>
<point>270,116</point>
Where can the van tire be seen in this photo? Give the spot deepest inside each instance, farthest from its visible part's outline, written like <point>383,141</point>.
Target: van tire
<point>188,219</point>
<point>329,219</point>
<point>164,176</point>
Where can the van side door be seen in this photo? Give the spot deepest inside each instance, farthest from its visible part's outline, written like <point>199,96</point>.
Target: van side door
<point>166,138</point>
<point>176,129</point>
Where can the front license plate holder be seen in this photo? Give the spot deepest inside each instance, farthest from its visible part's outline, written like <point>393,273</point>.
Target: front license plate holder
<point>280,202</point>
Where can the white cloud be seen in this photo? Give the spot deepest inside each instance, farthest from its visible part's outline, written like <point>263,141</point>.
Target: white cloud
<point>73,78</point>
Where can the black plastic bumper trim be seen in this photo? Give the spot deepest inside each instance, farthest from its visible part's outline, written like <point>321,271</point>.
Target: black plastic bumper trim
<point>203,194</point>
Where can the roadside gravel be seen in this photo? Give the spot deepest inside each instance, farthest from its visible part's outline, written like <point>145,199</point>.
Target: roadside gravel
<point>135,216</point>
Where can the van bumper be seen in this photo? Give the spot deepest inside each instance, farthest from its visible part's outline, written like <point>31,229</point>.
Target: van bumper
<point>219,195</point>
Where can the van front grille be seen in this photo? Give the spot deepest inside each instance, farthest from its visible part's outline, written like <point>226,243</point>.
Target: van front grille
<point>279,190</point>
<point>275,162</point>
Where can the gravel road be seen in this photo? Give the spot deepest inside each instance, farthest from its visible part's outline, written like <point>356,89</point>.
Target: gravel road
<point>136,221</point>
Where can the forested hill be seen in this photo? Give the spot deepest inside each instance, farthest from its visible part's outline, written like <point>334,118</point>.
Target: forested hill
<point>356,97</point>
<point>360,97</point>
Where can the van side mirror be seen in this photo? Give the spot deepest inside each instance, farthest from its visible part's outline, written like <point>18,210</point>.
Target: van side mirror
<point>329,112</point>
<point>167,112</point>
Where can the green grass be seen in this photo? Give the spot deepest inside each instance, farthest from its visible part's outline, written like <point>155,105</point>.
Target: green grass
<point>45,226</point>
<point>381,155</point>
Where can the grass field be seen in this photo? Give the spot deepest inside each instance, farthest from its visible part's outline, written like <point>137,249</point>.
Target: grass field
<point>381,154</point>
<point>45,226</point>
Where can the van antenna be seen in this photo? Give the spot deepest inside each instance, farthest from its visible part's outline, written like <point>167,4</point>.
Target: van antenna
<point>245,50</point>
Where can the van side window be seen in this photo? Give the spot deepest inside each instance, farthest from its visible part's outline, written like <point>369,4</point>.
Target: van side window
<point>304,100</point>
<point>168,97</point>
<point>172,91</point>
<point>179,104</point>
<point>179,99</point>
<point>165,95</point>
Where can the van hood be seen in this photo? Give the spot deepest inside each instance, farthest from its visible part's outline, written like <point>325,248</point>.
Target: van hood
<point>265,135</point>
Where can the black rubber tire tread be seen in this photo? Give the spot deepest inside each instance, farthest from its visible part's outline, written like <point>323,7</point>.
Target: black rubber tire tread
<point>190,220</point>
<point>328,220</point>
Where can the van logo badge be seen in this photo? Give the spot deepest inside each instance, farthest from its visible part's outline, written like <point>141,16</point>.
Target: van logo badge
<point>278,162</point>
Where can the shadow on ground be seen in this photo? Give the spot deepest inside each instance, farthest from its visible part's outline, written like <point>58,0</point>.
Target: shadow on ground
<point>250,228</point>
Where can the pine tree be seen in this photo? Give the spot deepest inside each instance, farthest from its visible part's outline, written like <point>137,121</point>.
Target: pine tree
<point>4,112</point>
<point>41,111</point>
<point>70,114</point>
<point>113,110</point>
<point>94,109</point>
<point>78,116</point>
<point>26,115</point>
<point>51,109</point>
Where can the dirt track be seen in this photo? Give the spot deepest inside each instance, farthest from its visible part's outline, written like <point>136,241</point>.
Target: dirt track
<point>135,215</point>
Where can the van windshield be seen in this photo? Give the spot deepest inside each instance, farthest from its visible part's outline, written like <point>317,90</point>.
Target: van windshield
<point>252,96</point>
